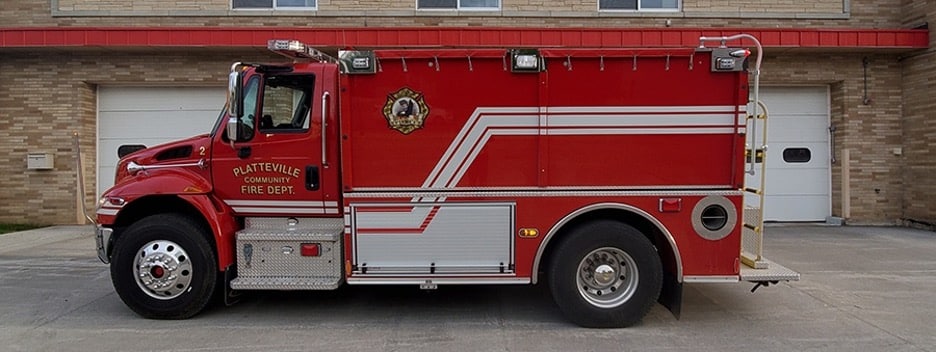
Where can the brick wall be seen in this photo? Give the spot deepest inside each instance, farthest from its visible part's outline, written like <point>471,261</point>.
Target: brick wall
<point>46,97</point>
<point>529,13</point>
<point>919,78</point>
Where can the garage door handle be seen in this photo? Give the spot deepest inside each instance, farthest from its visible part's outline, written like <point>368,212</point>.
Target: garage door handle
<point>832,144</point>
<point>324,128</point>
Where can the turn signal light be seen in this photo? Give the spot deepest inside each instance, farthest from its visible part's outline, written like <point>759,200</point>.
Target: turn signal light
<point>529,233</point>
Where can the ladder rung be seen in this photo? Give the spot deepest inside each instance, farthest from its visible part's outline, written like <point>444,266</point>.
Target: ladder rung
<point>752,190</point>
<point>754,228</point>
<point>759,117</point>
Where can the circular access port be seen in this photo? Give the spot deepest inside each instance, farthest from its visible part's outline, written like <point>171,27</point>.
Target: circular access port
<point>714,217</point>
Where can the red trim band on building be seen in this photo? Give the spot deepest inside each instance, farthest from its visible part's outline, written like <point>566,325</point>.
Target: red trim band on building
<point>26,37</point>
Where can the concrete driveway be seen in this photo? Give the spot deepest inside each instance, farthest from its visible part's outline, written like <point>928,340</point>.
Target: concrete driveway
<point>862,288</point>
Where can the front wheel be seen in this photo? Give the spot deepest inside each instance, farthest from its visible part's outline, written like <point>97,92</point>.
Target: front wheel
<point>164,267</point>
<point>605,274</point>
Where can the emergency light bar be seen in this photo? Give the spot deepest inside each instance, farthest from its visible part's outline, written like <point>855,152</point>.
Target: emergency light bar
<point>295,49</point>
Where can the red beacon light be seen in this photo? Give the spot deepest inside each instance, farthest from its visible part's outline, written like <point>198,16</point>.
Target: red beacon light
<point>740,53</point>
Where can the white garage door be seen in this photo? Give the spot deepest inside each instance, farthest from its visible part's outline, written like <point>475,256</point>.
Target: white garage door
<point>798,173</point>
<point>150,116</point>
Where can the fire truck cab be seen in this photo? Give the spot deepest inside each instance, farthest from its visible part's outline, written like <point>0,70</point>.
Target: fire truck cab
<point>614,175</point>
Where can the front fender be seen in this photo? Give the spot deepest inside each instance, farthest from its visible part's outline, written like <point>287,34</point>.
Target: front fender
<point>170,190</point>
<point>220,219</point>
<point>182,180</point>
<point>149,183</point>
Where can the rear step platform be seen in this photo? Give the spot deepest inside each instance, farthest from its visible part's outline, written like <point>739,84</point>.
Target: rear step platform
<point>772,272</point>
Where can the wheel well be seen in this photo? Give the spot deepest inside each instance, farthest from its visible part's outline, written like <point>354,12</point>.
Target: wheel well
<point>656,236</point>
<point>152,205</point>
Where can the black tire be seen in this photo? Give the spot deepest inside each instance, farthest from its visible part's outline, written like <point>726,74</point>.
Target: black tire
<point>186,263</point>
<point>604,292</point>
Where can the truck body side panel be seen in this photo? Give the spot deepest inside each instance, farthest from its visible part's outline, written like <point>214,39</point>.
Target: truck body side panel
<point>591,129</point>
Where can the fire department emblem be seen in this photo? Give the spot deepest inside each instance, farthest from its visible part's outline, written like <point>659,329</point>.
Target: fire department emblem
<point>406,110</point>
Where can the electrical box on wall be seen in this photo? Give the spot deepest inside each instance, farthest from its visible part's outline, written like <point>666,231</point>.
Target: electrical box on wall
<point>39,161</point>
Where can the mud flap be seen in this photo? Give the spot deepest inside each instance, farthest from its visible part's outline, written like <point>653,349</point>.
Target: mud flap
<point>671,294</point>
<point>231,296</point>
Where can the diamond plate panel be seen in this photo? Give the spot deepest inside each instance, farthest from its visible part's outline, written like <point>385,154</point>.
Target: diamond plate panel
<point>269,254</point>
<point>774,272</point>
<point>750,240</point>
<point>284,283</point>
<point>326,225</point>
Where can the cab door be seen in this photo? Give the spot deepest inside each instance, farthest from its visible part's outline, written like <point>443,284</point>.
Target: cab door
<point>279,167</point>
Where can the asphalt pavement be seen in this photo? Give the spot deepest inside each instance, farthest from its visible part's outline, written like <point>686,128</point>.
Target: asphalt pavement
<point>862,288</point>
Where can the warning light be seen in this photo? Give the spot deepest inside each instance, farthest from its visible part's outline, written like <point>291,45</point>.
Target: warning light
<point>740,53</point>
<point>670,205</point>
<point>528,233</point>
<point>525,60</point>
<point>310,250</point>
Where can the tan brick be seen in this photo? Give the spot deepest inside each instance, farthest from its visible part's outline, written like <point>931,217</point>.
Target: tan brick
<point>47,97</point>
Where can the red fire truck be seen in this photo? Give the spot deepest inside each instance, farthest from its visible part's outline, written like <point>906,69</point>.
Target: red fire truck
<point>613,175</point>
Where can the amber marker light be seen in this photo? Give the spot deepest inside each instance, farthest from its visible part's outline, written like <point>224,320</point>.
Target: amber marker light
<point>528,233</point>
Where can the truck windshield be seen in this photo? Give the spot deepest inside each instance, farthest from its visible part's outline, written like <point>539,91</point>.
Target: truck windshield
<point>219,120</point>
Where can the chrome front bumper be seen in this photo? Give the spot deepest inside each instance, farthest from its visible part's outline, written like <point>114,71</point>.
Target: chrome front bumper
<point>102,236</point>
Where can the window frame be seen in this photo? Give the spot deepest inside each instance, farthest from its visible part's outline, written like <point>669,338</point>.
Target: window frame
<point>459,7</point>
<point>274,7</point>
<point>678,8</point>
<point>309,114</point>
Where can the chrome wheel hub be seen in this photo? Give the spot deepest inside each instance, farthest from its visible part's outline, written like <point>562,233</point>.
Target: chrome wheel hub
<point>162,270</point>
<point>607,277</point>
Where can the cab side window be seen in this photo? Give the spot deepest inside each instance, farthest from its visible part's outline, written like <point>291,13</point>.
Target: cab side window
<point>250,109</point>
<point>287,103</point>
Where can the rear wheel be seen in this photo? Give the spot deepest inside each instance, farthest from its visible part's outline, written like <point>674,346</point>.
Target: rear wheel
<point>163,267</point>
<point>605,274</point>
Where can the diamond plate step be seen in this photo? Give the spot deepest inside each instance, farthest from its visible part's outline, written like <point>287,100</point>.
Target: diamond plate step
<point>285,283</point>
<point>774,272</point>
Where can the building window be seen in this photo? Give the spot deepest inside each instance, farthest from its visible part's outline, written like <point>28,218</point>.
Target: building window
<point>797,155</point>
<point>458,4</point>
<point>638,5</point>
<point>274,4</point>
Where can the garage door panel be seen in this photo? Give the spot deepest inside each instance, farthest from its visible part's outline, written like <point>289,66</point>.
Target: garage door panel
<point>133,124</point>
<point>810,128</point>
<point>798,188</point>
<point>150,116</point>
<point>794,100</point>
<point>777,188</point>
<point>796,208</point>
<point>160,98</point>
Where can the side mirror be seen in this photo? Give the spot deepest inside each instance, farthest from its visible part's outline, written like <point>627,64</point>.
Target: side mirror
<point>235,101</point>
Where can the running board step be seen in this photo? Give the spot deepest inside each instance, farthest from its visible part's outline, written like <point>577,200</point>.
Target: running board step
<point>285,283</point>
<point>773,272</point>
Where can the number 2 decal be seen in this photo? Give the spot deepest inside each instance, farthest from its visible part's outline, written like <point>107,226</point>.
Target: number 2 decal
<point>201,150</point>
